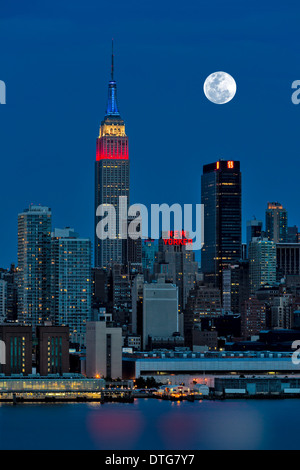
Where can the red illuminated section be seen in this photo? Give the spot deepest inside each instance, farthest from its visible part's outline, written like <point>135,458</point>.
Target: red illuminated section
<point>230,165</point>
<point>175,240</point>
<point>112,148</point>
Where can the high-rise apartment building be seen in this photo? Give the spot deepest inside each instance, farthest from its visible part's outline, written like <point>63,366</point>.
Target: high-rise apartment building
<point>34,252</point>
<point>276,223</point>
<point>221,197</point>
<point>71,283</point>
<point>111,178</point>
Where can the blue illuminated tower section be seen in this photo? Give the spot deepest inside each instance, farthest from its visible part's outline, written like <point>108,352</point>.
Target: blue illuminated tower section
<point>111,175</point>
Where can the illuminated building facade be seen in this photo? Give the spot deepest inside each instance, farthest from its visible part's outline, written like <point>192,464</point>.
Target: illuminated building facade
<point>111,176</point>
<point>34,251</point>
<point>221,197</point>
<point>71,283</point>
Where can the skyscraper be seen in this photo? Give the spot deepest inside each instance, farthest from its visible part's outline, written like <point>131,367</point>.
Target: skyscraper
<point>71,283</point>
<point>34,248</point>
<point>262,256</point>
<point>254,230</point>
<point>111,175</point>
<point>276,222</point>
<point>221,197</point>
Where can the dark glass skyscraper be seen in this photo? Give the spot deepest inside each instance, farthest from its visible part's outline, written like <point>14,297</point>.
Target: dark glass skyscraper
<point>221,196</point>
<point>111,175</point>
<point>276,222</point>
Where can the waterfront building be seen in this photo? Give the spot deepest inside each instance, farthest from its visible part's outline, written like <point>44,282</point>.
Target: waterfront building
<point>162,365</point>
<point>18,349</point>
<point>103,350</point>
<point>52,353</point>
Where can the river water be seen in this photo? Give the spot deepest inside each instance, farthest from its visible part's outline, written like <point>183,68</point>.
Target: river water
<point>151,424</point>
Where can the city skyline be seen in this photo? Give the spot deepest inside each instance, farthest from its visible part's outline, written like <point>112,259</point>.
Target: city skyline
<point>266,144</point>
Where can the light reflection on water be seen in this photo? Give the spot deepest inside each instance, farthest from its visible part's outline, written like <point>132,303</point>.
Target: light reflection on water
<point>152,425</point>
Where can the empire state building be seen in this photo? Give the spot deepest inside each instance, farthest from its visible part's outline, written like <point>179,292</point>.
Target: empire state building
<point>111,175</point>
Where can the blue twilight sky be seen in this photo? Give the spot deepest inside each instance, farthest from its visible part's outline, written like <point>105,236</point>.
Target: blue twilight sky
<point>55,61</point>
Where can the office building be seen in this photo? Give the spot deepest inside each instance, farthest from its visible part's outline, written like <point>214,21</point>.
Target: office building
<point>293,235</point>
<point>276,223</point>
<point>262,256</point>
<point>204,302</point>
<point>221,197</point>
<point>254,230</point>
<point>177,265</point>
<point>71,284</point>
<point>34,264</point>
<point>111,177</point>
<point>103,350</point>
<point>160,311</point>
<point>287,259</point>
<point>282,312</point>
<point>149,249</point>
<point>235,286</point>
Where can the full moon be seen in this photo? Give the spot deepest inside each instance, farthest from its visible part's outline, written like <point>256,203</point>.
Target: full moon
<point>219,87</point>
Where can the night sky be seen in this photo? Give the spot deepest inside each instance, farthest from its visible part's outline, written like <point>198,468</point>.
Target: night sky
<point>55,61</point>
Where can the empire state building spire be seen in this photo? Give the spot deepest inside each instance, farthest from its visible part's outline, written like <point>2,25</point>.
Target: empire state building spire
<point>112,105</point>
